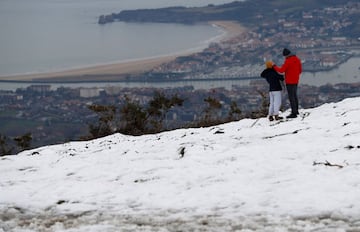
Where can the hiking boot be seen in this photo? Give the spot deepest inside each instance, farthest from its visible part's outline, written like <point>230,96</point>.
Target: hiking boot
<point>271,118</point>
<point>277,117</point>
<point>291,116</point>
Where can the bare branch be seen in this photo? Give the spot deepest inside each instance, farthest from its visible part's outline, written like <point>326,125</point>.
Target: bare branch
<point>327,163</point>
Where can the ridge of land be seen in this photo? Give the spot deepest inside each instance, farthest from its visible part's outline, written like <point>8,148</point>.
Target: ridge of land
<point>245,12</point>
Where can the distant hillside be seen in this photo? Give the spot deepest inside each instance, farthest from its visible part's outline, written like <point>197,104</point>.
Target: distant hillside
<point>246,12</point>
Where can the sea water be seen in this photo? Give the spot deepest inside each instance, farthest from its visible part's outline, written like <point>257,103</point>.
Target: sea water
<point>52,35</point>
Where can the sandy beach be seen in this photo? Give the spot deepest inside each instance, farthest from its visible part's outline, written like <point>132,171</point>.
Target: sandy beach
<point>110,71</point>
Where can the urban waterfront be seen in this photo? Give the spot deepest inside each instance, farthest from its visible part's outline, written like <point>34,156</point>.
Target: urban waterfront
<point>348,72</point>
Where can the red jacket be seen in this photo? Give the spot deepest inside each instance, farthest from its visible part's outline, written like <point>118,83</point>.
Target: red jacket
<point>291,68</point>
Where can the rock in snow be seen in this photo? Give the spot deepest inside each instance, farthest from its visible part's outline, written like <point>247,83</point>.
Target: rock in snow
<point>298,175</point>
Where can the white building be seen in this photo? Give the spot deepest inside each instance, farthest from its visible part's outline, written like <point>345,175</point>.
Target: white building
<point>90,92</point>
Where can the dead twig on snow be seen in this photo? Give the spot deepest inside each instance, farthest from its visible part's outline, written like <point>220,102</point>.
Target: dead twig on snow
<point>327,163</point>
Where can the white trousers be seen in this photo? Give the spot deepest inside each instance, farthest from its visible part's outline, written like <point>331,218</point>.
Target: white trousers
<point>275,102</point>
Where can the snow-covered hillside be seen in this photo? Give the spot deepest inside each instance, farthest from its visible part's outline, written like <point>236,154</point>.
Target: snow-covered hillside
<point>250,175</point>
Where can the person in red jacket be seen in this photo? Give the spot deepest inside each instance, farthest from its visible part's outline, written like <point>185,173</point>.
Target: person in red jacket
<point>292,69</point>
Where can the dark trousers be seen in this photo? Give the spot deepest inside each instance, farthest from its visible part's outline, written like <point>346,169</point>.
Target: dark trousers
<point>292,94</point>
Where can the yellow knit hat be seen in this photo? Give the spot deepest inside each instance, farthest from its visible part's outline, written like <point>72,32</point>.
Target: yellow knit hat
<point>269,64</point>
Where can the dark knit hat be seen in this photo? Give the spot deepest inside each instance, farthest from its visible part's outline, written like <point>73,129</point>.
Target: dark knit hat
<point>286,52</point>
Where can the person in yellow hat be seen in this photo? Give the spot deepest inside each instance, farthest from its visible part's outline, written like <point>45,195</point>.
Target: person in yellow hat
<point>275,81</point>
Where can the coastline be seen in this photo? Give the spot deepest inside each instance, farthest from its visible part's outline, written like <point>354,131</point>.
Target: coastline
<point>109,72</point>
<point>231,28</point>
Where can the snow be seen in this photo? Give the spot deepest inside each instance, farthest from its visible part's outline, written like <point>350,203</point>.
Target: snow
<point>250,175</point>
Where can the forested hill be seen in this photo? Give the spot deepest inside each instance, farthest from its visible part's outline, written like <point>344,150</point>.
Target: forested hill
<point>246,12</point>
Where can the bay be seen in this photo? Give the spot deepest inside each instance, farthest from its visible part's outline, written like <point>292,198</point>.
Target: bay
<point>53,35</point>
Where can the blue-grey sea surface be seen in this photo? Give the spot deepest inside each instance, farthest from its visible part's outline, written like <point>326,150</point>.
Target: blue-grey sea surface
<point>53,35</point>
